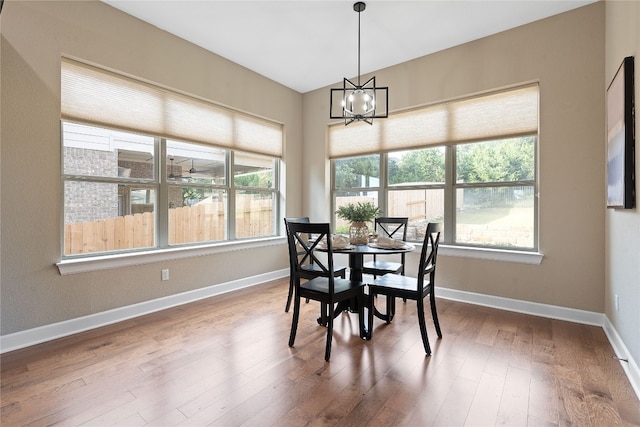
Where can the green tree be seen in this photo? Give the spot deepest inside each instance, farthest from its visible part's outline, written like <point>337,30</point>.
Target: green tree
<point>353,171</point>
<point>496,161</point>
<point>418,166</point>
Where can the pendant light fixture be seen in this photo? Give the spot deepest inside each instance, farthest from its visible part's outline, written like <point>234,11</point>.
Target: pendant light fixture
<point>359,102</point>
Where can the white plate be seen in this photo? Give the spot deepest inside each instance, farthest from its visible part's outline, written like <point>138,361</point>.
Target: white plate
<point>404,246</point>
<point>342,248</point>
<point>334,247</point>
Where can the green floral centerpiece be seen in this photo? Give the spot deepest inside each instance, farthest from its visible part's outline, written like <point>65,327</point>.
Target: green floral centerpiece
<point>358,214</point>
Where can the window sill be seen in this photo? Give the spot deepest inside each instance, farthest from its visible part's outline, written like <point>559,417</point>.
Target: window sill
<point>105,262</point>
<point>491,254</point>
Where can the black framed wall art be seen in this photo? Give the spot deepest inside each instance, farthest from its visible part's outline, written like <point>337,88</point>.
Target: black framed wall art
<point>621,138</point>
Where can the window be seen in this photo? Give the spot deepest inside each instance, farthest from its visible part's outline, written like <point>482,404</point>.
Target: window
<point>197,193</point>
<point>494,193</point>
<point>416,183</point>
<point>356,179</point>
<point>169,170</point>
<point>442,163</point>
<point>110,190</point>
<point>254,179</point>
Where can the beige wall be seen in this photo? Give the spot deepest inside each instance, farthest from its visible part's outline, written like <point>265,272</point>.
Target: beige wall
<point>565,53</point>
<point>34,36</point>
<point>623,226</point>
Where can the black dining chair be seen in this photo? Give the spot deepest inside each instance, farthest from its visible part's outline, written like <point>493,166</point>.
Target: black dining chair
<point>327,289</point>
<point>395,285</point>
<point>393,228</point>
<point>310,270</point>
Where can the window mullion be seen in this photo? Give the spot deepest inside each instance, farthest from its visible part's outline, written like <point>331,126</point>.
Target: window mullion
<point>450,195</point>
<point>277,215</point>
<point>384,185</point>
<point>162,214</point>
<point>231,197</point>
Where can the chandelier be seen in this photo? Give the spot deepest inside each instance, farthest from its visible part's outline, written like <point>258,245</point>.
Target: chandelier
<point>358,102</point>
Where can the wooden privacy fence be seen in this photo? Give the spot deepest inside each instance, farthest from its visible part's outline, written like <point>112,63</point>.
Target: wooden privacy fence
<point>418,205</point>
<point>199,223</point>
<point>121,232</point>
<point>202,222</point>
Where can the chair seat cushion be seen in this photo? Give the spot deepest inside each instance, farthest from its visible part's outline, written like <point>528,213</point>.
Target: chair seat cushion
<point>321,285</point>
<point>378,265</point>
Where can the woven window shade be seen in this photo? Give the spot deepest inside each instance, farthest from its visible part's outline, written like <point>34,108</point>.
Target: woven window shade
<point>99,97</point>
<point>497,115</point>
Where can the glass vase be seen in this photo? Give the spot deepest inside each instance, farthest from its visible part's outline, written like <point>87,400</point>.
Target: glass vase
<point>359,233</point>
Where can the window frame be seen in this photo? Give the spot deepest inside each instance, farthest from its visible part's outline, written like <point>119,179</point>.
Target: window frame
<point>450,187</point>
<point>452,228</point>
<point>161,185</point>
<point>274,191</point>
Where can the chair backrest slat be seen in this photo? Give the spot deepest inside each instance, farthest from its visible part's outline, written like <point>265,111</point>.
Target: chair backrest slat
<point>429,254</point>
<point>287,221</point>
<point>392,227</point>
<point>298,232</point>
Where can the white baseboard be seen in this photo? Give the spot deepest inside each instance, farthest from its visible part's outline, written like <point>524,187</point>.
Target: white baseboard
<point>622,353</point>
<point>555,312</point>
<point>53,331</point>
<point>526,307</point>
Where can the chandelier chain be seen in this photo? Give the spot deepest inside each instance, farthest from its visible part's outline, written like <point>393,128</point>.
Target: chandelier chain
<point>359,48</point>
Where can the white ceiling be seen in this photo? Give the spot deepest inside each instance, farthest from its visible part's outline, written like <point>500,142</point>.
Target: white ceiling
<point>309,44</point>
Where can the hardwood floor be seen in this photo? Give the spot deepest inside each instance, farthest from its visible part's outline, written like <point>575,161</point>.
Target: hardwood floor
<point>225,361</point>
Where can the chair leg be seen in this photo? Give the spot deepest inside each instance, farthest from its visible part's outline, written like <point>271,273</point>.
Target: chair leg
<point>322,320</point>
<point>391,307</point>
<point>286,309</point>
<point>402,274</point>
<point>362,304</point>
<point>294,321</point>
<point>370,312</point>
<point>434,313</point>
<point>327,351</point>
<point>423,326</point>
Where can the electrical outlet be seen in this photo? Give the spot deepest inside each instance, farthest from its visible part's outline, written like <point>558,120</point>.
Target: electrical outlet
<point>165,274</point>
<point>617,302</point>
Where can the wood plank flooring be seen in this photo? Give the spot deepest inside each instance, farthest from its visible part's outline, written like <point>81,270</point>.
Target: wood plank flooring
<point>224,361</point>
